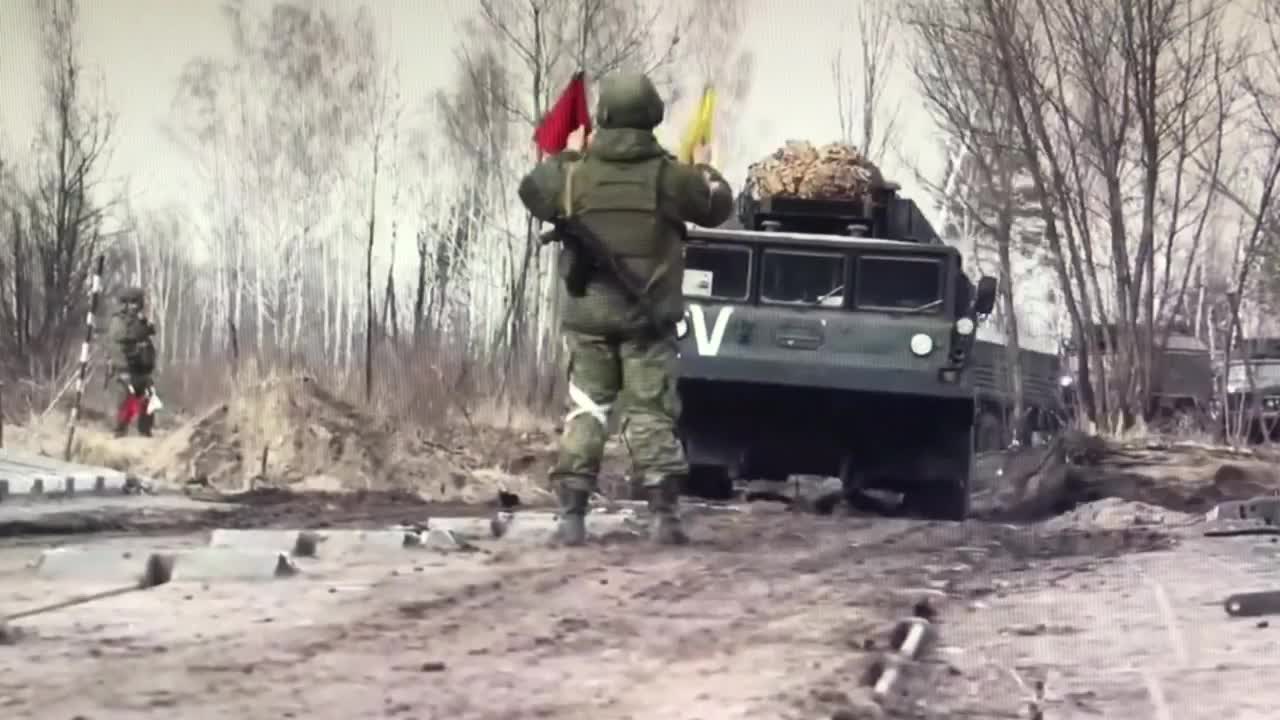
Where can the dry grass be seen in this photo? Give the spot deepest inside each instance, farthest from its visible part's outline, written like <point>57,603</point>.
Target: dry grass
<point>425,388</point>
<point>1185,430</point>
<point>447,428</point>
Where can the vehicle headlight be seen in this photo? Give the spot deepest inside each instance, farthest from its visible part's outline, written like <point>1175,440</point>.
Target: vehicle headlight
<point>921,344</point>
<point>1066,381</point>
<point>964,326</point>
<point>682,328</point>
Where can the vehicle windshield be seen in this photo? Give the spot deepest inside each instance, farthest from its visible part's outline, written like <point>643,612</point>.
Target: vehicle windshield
<point>899,284</point>
<point>719,272</point>
<point>1265,374</point>
<point>798,277</point>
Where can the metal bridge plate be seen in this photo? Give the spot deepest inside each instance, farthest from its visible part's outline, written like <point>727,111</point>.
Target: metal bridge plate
<point>34,476</point>
<point>1264,509</point>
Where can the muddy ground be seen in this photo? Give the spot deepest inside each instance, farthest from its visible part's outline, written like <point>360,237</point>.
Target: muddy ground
<point>768,614</point>
<point>1083,588</point>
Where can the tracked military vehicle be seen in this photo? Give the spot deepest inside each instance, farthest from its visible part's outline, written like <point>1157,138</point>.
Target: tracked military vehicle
<point>831,338</point>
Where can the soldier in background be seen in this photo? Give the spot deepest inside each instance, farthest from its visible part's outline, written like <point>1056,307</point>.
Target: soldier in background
<point>132,361</point>
<point>635,198</point>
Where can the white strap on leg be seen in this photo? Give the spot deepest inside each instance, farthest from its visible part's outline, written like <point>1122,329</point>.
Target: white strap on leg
<point>584,405</point>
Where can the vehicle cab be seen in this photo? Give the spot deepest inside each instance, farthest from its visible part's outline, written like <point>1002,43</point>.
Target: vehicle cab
<point>820,331</point>
<point>1253,389</point>
<point>787,300</point>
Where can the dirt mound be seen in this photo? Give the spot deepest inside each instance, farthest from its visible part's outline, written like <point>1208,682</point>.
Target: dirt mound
<point>1117,514</point>
<point>1186,478</point>
<point>798,169</point>
<point>290,432</point>
<point>1022,484</point>
<point>282,431</point>
<point>1084,477</point>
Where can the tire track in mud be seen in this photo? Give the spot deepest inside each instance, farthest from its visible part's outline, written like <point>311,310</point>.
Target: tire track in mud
<point>763,616</point>
<point>562,609</point>
<point>236,667</point>
<point>1007,561</point>
<point>697,636</point>
<point>712,620</point>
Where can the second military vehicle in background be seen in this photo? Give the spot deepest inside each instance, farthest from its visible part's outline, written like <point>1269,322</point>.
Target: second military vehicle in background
<point>1182,379</point>
<point>1253,391</point>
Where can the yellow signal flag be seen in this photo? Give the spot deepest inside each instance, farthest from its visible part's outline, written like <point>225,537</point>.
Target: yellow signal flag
<point>699,130</point>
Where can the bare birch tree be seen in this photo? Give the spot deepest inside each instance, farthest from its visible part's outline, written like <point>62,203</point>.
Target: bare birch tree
<point>716,50</point>
<point>276,130</point>
<point>1110,102</point>
<point>951,70</point>
<point>1254,197</point>
<point>156,255</point>
<point>383,115</point>
<point>54,226</point>
<point>861,79</point>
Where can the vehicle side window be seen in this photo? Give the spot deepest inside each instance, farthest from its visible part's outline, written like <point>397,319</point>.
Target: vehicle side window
<point>719,272</point>
<point>806,278</point>
<point>900,283</point>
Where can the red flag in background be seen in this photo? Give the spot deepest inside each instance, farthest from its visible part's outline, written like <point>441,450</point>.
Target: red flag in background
<point>568,114</point>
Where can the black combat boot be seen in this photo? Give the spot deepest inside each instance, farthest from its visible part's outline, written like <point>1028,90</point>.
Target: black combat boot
<point>664,499</point>
<point>120,430</point>
<point>571,530</point>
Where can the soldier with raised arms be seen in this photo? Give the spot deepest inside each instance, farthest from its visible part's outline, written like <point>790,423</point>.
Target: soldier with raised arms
<point>620,205</point>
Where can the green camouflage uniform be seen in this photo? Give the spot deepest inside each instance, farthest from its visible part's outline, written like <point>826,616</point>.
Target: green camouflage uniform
<point>132,357</point>
<point>636,198</point>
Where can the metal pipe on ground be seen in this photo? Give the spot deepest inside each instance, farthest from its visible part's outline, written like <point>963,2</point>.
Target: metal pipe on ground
<point>157,571</point>
<point>910,636</point>
<point>907,641</point>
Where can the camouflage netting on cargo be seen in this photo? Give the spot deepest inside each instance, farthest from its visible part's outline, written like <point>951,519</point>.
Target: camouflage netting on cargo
<point>799,169</point>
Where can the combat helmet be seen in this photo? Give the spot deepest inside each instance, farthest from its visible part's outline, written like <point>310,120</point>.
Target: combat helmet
<point>132,294</point>
<point>629,100</point>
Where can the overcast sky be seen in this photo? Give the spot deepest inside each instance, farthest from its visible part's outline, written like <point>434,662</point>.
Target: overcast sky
<point>140,46</point>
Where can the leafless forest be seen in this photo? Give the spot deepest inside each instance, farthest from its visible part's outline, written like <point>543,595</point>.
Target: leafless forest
<point>1114,159</point>
<point>1124,148</point>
